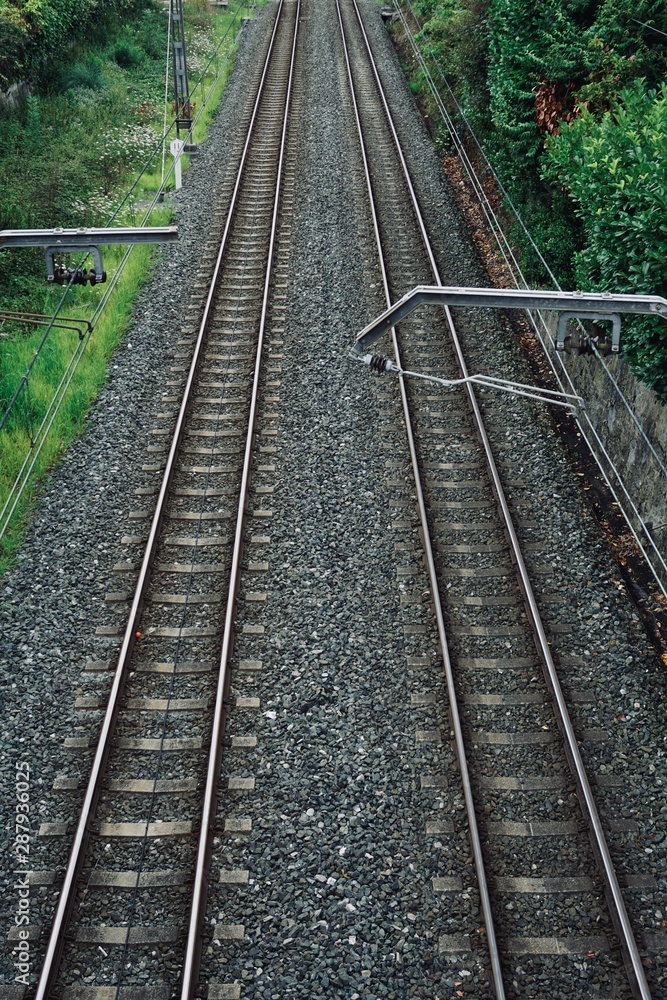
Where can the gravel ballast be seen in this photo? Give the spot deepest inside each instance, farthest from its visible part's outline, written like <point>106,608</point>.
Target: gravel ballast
<point>339,899</point>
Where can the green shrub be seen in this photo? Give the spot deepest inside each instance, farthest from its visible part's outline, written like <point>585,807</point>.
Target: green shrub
<point>455,35</point>
<point>86,74</point>
<point>127,55</point>
<point>35,33</point>
<point>197,14</point>
<point>151,33</point>
<point>615,171</point>
<point>593,192</point>
<point>65,159</point>
<point>12,45</point>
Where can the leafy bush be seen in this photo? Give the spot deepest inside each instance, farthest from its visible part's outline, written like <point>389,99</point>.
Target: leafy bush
<point>563,95</point>
<point>455,35</point>
<point>12,44</point>
<point>119,149</point>
<point>86,74</point>
<point>615,171</point>
<point>151,33</point>
<point>127,55</point>
<point>197,14</point>
<point>34,33</point>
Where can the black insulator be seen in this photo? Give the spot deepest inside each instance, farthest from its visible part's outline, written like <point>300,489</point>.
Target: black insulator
<point>378,363</point>
<point>68,275</point>
<point>587,346</point>
<point>580,344</point>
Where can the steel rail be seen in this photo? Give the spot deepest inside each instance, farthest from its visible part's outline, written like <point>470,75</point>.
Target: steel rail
<point>586,799</point>
<point>51,961</point>
<point>199,895</point>
<point>475,840</point>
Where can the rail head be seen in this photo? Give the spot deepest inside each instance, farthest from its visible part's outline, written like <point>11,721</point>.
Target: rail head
<point>189,979</point>
<point>50,966</point>
<point>475,839</point>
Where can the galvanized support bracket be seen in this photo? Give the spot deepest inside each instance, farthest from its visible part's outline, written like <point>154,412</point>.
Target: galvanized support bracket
<point>97,273</point>
<point>581,305</point>
<point>57,241</point>
<point>614,318</point>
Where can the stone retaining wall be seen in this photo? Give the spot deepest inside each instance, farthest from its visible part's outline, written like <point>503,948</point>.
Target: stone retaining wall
<point>632,456</point>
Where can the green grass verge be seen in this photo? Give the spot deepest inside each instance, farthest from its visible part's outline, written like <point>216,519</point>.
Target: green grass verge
<point>70,420</point>
<point>17,347</point>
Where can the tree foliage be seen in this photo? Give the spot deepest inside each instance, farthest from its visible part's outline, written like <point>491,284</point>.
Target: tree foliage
<point>615,170</point>
<point>35,32</point>
<point>570,99</point>
<point>70,139</point>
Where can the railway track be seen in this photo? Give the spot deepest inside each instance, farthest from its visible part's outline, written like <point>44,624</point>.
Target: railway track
<point>516,746</point>
<point>326,851</point>
<point>130,911</point>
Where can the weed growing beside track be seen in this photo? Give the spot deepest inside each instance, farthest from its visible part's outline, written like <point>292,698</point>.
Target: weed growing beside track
<point>16,436</point>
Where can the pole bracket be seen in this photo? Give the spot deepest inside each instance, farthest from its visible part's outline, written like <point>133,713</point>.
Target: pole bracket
<point>582,305</point>
<point>53,272</point>
<point>380,364</point>
<point>87,241</point>
<point>612,317</point>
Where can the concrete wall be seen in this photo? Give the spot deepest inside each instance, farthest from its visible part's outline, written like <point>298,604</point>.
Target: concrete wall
<point>10,98</point>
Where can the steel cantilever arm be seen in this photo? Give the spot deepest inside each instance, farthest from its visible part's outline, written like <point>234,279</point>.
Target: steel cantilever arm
<point>577,303</point>
<point>81,239</point>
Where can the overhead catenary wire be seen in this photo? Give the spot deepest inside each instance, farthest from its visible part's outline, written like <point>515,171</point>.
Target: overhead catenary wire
<point>26,375</point>
<point>640,529</point>
<point>37,441</point>
<point>539,394</point>
<point>507,253</point>
<point>166,90</point>
<point>160,144</point>
<point>41,319</point>
<point>650,27</point>
<point>631,953</point>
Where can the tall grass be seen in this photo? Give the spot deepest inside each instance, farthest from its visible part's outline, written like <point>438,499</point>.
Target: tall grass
<point>30,292</point>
